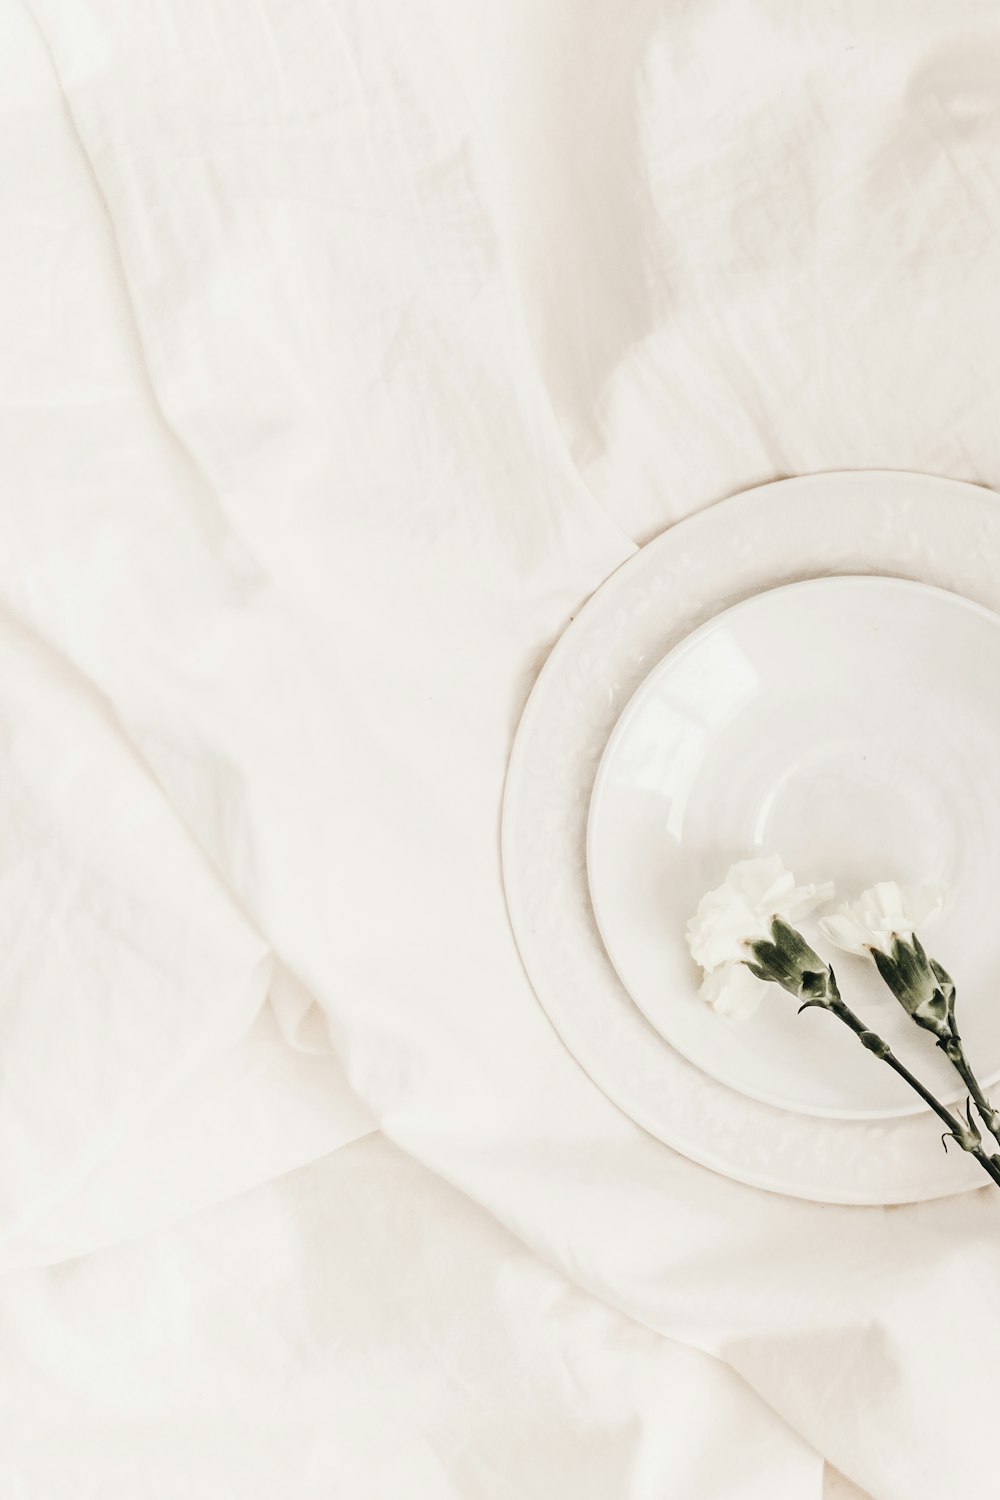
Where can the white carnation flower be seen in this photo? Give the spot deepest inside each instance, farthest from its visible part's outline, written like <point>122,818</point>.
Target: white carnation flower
<point>880,914</point>
<point>733,991</point>
<point>741,911</point>
<point>743,907</point>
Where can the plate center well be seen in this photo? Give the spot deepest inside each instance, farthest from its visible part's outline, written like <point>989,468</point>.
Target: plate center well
<point>871,806</point>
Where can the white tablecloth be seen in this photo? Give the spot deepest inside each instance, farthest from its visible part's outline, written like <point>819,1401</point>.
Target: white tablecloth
<point>346,348</point>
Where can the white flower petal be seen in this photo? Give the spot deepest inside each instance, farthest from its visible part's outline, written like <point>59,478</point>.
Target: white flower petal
<point>718,928</point>
<point>733,991</point>
<point>887,901</point>
<point>742,908</point>
<point>804,900</point>
<point>756,878</point>
<point>880,914</point>
<point>844,931</point>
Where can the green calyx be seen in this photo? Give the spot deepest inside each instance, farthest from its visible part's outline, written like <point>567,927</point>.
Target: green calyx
<point>923,988</point>
<point>787,959</point>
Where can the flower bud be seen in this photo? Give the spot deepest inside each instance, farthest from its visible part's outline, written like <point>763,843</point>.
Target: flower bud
<point>923,988</point>
<point>967,1139</point>
<point>967,1135</point>
<point>787,959</point>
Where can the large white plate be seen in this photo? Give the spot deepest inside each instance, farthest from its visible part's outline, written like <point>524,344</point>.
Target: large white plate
<point>932,530</point>
<point>851,725</point>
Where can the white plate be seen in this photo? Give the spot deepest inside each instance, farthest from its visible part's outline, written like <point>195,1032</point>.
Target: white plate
<point>933,530</point>
<point>851,725</point>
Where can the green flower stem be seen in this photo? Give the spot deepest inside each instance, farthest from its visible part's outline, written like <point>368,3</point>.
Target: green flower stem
<point>966,1137</point>
<point>952,1048</point>
<point>786,959</point>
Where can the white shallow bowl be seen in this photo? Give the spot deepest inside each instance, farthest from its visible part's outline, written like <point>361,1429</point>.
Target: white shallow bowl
<point>851,725</point>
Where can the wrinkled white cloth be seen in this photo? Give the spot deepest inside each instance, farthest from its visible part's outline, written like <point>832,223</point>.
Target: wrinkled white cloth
<point>139,1024</point>
<point>346,349</point>
<point>359,1328</point>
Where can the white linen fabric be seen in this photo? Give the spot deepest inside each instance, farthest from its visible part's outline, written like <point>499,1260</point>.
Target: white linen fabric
<point>359,1328</point>
<point>347,347</point>
<point>141,1068</point>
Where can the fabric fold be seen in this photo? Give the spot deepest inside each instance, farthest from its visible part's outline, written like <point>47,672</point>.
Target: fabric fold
<point>322,652</point>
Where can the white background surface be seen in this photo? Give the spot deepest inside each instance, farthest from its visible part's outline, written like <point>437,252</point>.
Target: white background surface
<point>344,349</point>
